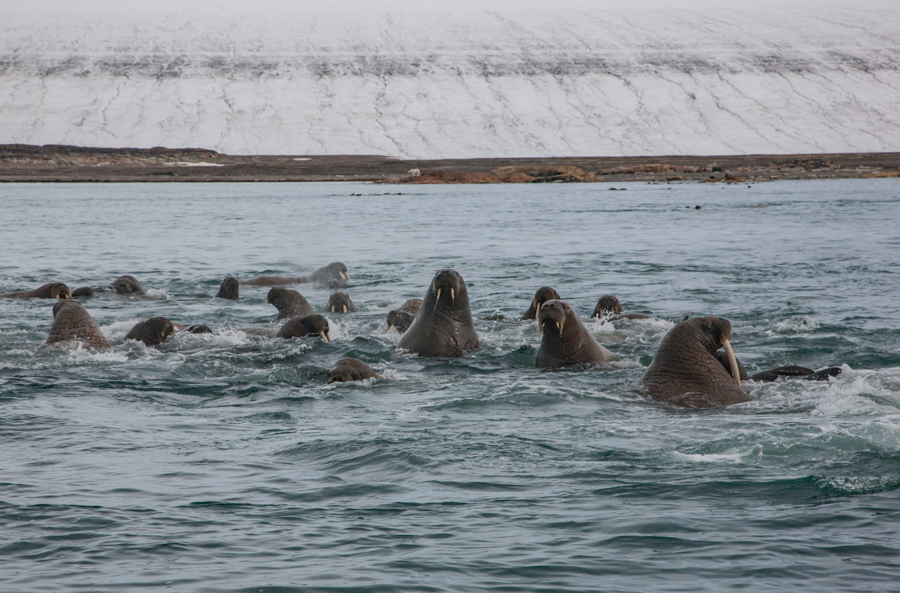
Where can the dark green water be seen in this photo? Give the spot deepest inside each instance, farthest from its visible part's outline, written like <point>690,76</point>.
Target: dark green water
<point>223,463</point>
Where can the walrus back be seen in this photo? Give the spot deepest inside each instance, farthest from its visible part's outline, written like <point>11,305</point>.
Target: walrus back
<point>72,322</point>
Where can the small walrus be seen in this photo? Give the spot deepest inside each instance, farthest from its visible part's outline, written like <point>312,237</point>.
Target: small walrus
<point>53,290</point>
<point>72,322</point>
<point>127,285</point>
<point>229,289</point>
<point>685,370</point>
<point>608,307</point>
<point>289,303</point>
<point>333,273</point>
<point>564,339</point>
<point>443,326</point>
<point>309,325</point>
<point>84,291</point>
<point>351,369</point>
<point>402,317</point>
<point>340,302</point>
<point>152,332</point>
<point>543,294</point>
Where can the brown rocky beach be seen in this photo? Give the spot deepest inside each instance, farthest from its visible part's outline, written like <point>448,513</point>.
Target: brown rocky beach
<point>57,163</point>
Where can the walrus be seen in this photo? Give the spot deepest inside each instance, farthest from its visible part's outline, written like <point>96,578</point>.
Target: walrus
<point>199,329</point>
<point>351,369</point>
<point>309,325</point>
<point>333,273</point>
<point>84,291</point>
<point>72,322</point>
<point>402,317</point>
<point>443,326</point>
<point>152,332</point>
<point>608,307</point>
<point>685,370</point>
<point>53,290</point>
<point>778,372</point>
<point>127,285</point>
<point>564,339</point>
<point>543,294</point>
<point>340,302</point>
<point>289,303</point>
<point>229,289</point>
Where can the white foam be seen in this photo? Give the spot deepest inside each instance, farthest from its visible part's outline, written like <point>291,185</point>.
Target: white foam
<point>733,456</point>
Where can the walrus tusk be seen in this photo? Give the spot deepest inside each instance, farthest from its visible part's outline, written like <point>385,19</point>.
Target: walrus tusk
<point>561,323</point>
<point>345,275</point>
<point>332,308</point>
<point>735,373</point>
<point>390,327</point>
<point>534,306</point>
<point>345,308</point>
<point>324,336</point>
<point>540,327</point>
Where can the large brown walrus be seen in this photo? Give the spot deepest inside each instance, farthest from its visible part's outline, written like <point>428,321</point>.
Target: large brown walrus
<point>402,317</point>
<point>229,289</point>
<point>340,302</point>
<point>289,303</point>
<point>152,332</point>
<point>351,369</point>
<point>72,322</point>
<point>543,294</point>
<point>443,326</point>
<point>53,290</point>
<point>127,285</point>
<point>332,274</point>
<point>310,325</point>
<point>685,370</point>
<point>564,339</point>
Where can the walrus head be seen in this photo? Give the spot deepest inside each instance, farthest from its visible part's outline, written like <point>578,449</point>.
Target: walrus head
<point>310,325</point>
<point>448,293</point>
<point>340,302</point>
<point>399,319</point>
<point>152,332</point>
<point>350,369</point>
<point>709,334</point>
<point>127,285</point>
<point>335,271</point>
<point>229,289</point>
<point>607,305</point>
<point>58,290</point>
<point>552,317</point>
<point>543,294</point>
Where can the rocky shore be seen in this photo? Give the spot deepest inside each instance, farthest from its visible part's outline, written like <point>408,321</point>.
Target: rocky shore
<point>57,163</point>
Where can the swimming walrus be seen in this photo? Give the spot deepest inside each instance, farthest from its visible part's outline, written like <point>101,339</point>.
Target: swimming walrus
<point>564,339</point>
<point>127,285</point>
<point>543,294</point>
<point>152,332</point>
<point>84,291</point>
<point>685,370</point>
<point>340,302</point>
<point>443,326</point>
<point>289,303</point>
<point>351,369</point>
<point>332,274</point>
<point>609,308</point>
<point>53,290</point>
<point>778,372</point>
<point>229,289</point>
<point>72,322</point>
<point>309,325</point>
<point>402,317</point>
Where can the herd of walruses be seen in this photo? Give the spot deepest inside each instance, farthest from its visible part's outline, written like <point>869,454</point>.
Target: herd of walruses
<point>694,367</point>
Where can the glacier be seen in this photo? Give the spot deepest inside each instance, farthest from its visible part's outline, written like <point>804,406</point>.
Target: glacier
<point>495,78</point>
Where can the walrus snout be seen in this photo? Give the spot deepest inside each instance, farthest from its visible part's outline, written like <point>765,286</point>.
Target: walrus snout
<point>446,282</point>
<point>607,305</point>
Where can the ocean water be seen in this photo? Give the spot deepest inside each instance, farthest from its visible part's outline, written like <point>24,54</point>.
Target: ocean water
<point>224,463</point>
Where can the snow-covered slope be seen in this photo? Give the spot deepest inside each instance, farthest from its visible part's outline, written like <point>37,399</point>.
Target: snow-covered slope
<point>455,79</point>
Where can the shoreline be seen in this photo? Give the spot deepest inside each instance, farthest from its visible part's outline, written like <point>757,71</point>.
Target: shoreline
<point>66,164</point>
